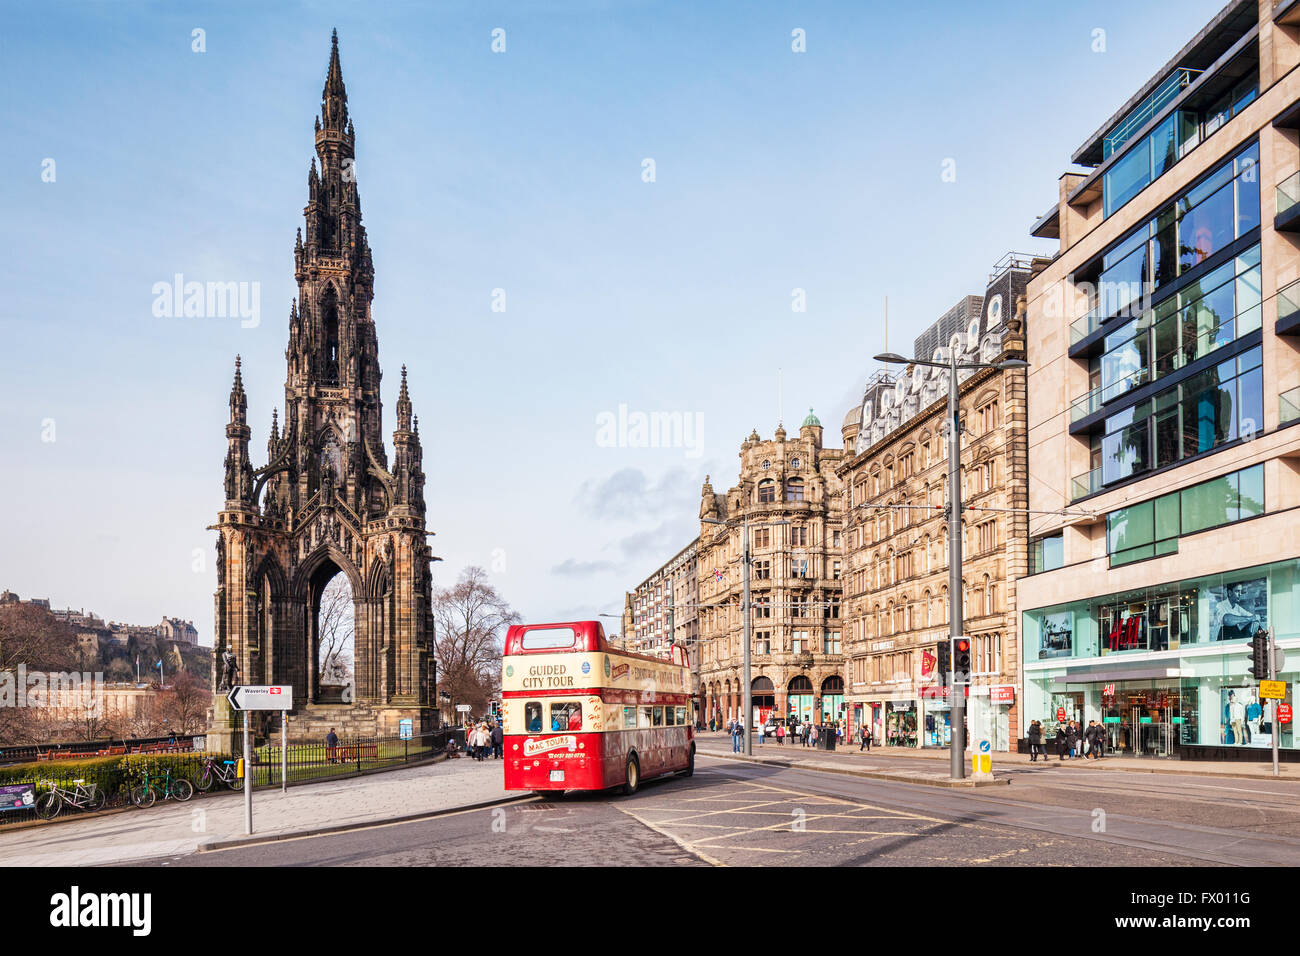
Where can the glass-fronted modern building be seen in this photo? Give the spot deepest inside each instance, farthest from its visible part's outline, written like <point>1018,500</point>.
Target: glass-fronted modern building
<point>1164,391</point>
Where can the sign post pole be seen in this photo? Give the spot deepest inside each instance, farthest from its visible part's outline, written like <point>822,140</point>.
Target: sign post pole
<point>284,750</point>
<point>1272,675</point>
<point>248,778</point>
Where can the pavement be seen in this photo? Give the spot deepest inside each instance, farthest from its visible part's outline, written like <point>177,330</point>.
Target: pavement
<point>209,821</point>
<point>889,760</point>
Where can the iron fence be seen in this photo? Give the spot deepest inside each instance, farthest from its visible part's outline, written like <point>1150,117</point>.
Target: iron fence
<point>81,749</point>
<point>116,775</point>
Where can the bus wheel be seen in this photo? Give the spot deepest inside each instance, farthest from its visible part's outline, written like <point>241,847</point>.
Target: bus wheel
<point>690,765</point>
<point>633,777</point>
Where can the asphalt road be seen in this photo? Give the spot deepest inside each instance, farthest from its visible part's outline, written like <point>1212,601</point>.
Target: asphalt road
<point>734,813</point>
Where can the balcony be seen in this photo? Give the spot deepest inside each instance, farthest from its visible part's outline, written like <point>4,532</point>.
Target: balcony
<point>1287,211</point>
<point>1288,309</point>
<point>1083,327</point>
<point>1089,483</point>
<point>1159,98</point>
<point>1288,407</point>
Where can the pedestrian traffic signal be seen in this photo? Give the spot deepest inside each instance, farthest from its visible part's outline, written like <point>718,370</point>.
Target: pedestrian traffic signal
<point>944,654</point>
<point>1259,663</point>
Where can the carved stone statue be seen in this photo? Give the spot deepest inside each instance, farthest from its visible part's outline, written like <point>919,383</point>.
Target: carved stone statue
<point>229,670</point>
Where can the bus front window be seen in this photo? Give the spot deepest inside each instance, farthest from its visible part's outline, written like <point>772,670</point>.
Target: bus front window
<point>533,717</point>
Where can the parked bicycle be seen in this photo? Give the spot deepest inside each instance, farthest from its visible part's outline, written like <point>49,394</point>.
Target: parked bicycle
<point>214,772</point>
<point>170,788</point>
<point>83,796</point>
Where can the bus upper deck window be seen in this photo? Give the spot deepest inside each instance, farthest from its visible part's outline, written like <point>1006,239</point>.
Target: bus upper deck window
<point>533,717</point>
<point>549,638</point>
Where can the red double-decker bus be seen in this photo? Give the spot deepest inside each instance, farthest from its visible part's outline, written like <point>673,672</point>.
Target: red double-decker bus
<point>581,714</point>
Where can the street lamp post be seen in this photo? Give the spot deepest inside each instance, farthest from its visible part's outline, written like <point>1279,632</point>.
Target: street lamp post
<point>957,713</point>
<point>748,711</point>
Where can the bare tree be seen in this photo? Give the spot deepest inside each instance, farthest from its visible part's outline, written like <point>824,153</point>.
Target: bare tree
<point>470,620</point>
<point>185,704</point>
<point>337,622</point>
<point>32,637</point>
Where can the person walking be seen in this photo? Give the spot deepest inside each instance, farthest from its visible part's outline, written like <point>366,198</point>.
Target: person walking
<point>762,730</point>
<point>498,740</point>
<point>780,734</point>
<point>1035,735</point>
<point>735,736</point>
<point>1062,740</point>
<point>1095,744</point>
<point>1076,740</point>
<point>331,747</point>
<point>866,740</point>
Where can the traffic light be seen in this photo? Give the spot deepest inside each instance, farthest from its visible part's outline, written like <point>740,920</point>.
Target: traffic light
<point>1259,662</point>
<point>961,659</point>
<point>944,654</point>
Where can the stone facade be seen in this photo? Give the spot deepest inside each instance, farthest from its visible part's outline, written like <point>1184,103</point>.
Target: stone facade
<point>664,609</point>
<point>896,530</point>
<point>328,499</point>
<point>795,579</point>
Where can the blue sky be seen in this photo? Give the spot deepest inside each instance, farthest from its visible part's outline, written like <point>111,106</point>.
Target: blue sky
<point>520,171</point>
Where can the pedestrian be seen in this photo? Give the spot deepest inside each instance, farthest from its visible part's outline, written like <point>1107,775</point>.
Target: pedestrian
<point>780,734</point>
<point>762,730</point>
<point>866,740</point>
<point>331,747</point>
<point>1095,745</point>
<point>1035,735</point>
<point>735,736</point>
<point>1076,739</point>
<point>498,740</point>
<point>1062,740</point>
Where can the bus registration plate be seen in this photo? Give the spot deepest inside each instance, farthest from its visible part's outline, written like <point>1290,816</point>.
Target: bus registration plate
<point>557,776</point>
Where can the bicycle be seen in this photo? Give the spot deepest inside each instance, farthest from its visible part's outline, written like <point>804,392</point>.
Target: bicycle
<point>213,773</point>
<point>147,793</point>
<point>82,796</point>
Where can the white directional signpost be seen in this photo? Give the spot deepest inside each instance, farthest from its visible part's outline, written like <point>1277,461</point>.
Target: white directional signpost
<point>248,697</point>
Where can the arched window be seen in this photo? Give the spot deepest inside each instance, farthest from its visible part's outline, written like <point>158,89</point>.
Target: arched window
<point>794,489</point>
<point>889,615</point>
<point>766,491</point>
<point>925,609</point>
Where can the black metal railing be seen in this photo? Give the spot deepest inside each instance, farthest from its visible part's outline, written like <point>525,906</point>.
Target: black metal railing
<point>82,749</point>
<point>21,785</point>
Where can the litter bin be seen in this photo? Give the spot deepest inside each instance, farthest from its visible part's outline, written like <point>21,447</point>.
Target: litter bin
<point>828,738</point>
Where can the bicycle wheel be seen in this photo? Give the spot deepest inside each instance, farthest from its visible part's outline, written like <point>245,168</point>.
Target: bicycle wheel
<point>182,789</point>
<point>236,783</point>
<point>97,799</point>
<point>143,796</point>
<point>48,805</point>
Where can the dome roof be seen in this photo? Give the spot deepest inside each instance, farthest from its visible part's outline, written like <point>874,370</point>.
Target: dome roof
<point>853,416</point>
<point>811,420</point>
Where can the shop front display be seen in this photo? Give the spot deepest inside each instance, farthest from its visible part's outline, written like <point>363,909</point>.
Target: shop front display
<point>900,723</point>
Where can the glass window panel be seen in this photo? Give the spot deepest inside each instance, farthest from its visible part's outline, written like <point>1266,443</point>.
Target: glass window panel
<point>1250,484</point>
<point>1211,184</point>
<point>1129,527</point>
<point>1167,520</point>
<point>1166,345</point>
<point>1209,504</point>
<point>1206,228</point>
<point>1250,402</point>
<point>1167,437</point>
<point>1248,191</point>
<point>1164,147</point>
<point>1125,452</point>
<point>1165,251</point>
<point>1122,283</point>
<point>1129,176</point>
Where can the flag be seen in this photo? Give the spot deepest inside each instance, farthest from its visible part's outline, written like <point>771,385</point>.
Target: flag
<point>718,573</point>
<point>159,664</point>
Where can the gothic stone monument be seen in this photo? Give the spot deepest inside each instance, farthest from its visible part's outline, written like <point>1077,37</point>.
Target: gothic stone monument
<point>328,499</point>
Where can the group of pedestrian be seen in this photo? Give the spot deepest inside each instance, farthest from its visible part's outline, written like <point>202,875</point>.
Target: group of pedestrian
<point>484,740</point>
<point>1072,740</point>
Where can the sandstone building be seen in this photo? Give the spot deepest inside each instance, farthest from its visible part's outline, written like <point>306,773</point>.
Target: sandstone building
<point>797,664</point>
<point>895,479</point>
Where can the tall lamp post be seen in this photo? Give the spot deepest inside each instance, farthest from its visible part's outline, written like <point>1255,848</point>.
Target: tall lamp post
<point>748,712</point>
<point>957,747</point>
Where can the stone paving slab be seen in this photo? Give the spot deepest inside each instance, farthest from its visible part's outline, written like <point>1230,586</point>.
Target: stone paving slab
<point>179,828</point>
